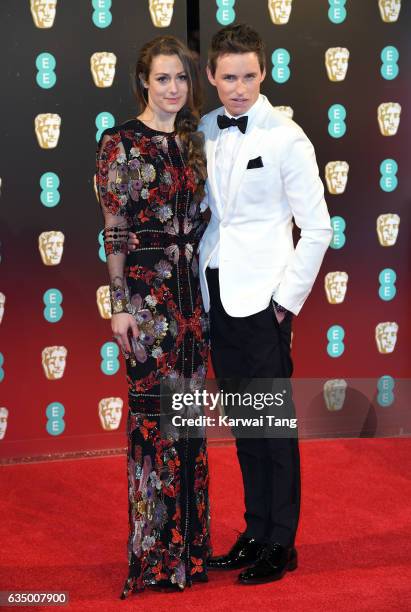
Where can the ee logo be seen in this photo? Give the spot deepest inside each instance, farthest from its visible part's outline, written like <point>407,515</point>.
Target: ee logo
<point>103,121</point>
<point>109,353</point>
<point>335,337</point>
<point>387,290</point>
<point>337,115</point>
<point>385,386</point>
<point>45,64</point>
<point>389,67</point>
<point>101,252</point>
<point>280,59</point>
<point>338,225</point>
<point>102,16</point>
<point>49,183</point>
<point>226,13</point>
<point>53,311</point>
<point>55,422</point>
<point>337,12</point>
<point>1,367</point>
<point>388,170</point>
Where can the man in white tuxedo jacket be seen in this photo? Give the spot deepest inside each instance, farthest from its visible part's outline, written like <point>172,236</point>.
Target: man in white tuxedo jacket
<point>262,174</point>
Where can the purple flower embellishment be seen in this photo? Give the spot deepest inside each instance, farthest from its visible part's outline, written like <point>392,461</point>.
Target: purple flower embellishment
<point>163,269</point>
<point>134,164</point>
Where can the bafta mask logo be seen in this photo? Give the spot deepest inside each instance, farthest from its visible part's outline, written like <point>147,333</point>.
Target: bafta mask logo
<point>47,128</point>
<point>336,176</point>
<point>285,110</point>
<point>51,245</point>
<point>161,12</point>
<point>389,10</point>
<point>53,359</point>
<point>334,393</point>
<point>336,286</point>
<point>2,305</point>
<point>103,301</point>
<point>4,413</point>
<point>280,11</point>
<point>389,114</point>
<point>336,63</point>
<point>386,336</point>
<point>388,226</point>
<point>110,410</point>
<point>43,12</point>
<point>103,68</point>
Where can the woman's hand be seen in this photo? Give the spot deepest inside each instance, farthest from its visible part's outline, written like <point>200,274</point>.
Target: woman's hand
<point>124,325</point>
<point>132,241</point>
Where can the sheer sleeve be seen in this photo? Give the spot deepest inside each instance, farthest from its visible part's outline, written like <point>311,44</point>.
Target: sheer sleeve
<point>112,188</point>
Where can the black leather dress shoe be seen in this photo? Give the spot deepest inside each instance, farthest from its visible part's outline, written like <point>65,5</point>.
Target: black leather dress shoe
<point>274,561</point>
<point>244,552</point>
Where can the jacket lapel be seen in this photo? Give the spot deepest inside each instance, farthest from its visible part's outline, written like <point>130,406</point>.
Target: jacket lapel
<point>211,146</point>
<point>243,156</point>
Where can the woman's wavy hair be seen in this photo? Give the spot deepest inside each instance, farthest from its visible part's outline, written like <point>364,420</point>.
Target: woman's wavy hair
<point>188,117</point>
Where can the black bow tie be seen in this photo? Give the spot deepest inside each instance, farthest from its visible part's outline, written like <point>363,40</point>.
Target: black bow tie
<point>224,122</point>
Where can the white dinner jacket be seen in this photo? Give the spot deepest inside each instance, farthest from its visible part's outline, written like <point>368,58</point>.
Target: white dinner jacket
<point>257,258</point>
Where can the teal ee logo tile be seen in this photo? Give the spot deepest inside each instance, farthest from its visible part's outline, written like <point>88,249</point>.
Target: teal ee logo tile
<point>337,115</point>
<point>55,422</point>
<point>103,121</point>
<point>337,12</point>
<point>102,16</point>
<point>49,183</point>
<point>110,363</point>
<point>385,387</point>
<point>225,12</point>
<point>280,59</point>
<point>53,311</point>
<point>335,337</point>
<point>338,226</point>
<point>389,66</point>
<point>46,64</point>
<point>388,171</point>
<point>101,251</point>
<point>387,289</point>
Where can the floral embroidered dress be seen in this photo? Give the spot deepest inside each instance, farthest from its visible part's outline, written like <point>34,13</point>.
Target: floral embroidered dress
<point>145,186</point>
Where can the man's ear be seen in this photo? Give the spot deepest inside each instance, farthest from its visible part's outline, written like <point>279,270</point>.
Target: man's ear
<point>210,76</point>
<point>263,75</point>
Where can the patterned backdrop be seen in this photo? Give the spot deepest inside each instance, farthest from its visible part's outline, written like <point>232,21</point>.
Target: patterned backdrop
<point>338,67</point>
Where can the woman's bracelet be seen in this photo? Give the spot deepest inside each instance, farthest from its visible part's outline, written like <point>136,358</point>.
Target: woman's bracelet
<point>119,299</point>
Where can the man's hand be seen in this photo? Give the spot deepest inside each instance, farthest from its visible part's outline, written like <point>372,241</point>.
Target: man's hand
<point>132,241</point>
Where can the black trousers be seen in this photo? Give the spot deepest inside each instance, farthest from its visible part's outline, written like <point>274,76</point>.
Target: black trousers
<point>258,347</point>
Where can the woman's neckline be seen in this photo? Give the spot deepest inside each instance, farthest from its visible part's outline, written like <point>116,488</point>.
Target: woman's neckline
<point>147,127</point>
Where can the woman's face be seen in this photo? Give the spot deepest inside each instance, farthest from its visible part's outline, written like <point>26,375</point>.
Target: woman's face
<point>167,85</point>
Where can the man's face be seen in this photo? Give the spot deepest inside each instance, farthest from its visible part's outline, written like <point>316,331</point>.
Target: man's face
<point>161,12</point>
<point>389,9</point>
<point>389,114</point>
<point>238,79</point>
<point>43,12</point>
<point>280,11</point>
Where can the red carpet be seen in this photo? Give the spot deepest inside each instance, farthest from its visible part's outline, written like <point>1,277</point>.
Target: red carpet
<point>64,527</point>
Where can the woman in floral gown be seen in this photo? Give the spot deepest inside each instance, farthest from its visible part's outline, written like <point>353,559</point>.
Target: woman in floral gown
<point>150,176</point>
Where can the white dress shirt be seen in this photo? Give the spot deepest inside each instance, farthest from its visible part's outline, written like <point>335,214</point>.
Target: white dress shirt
<point>229,141</point>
